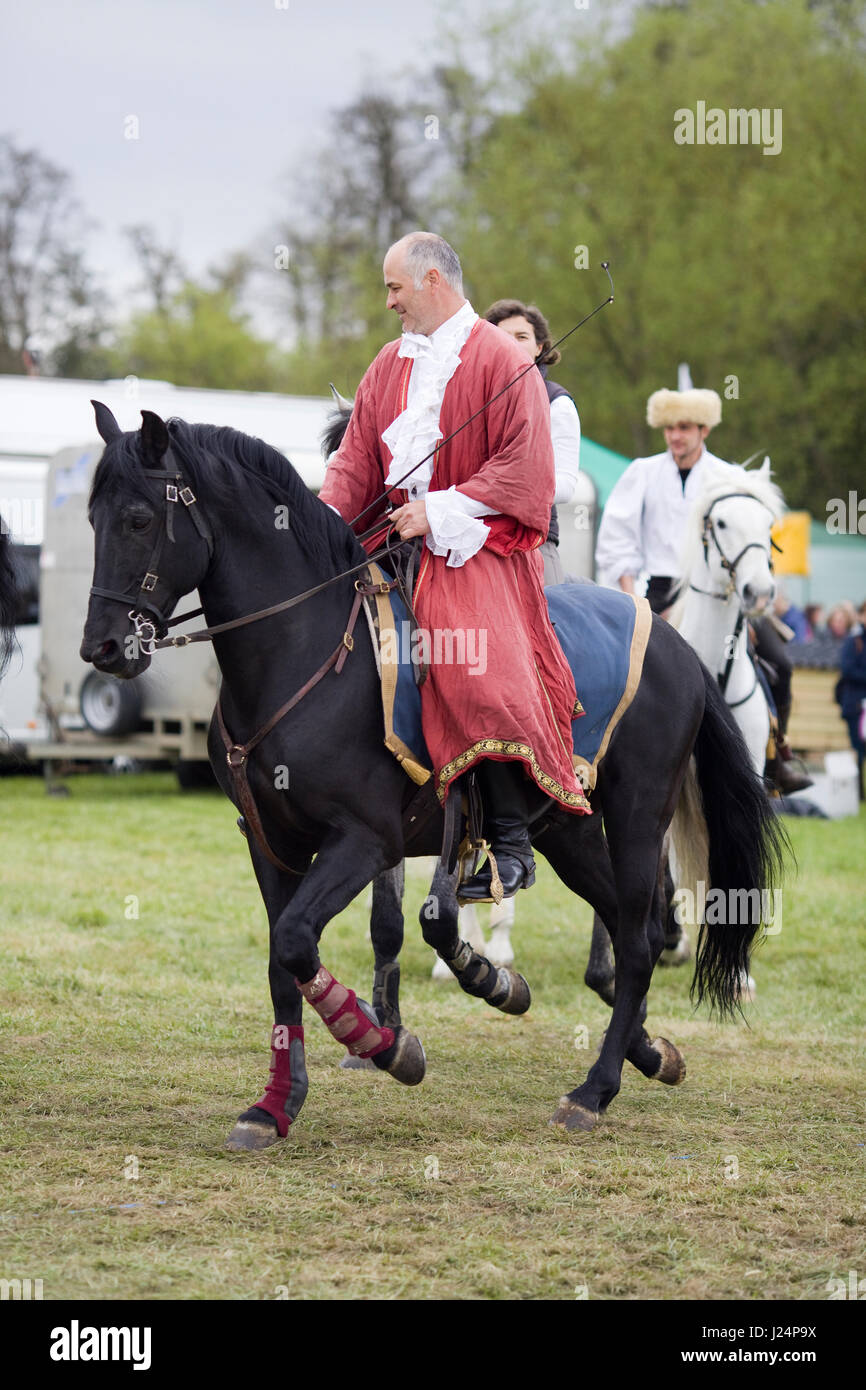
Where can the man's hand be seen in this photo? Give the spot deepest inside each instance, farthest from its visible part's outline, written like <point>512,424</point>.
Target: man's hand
<point>410,520</point>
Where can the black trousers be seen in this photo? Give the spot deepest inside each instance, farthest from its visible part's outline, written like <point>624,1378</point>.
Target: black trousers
<point>771,647</point>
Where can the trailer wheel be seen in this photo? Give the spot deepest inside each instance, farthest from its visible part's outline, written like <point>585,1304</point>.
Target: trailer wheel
<point>109,706</point>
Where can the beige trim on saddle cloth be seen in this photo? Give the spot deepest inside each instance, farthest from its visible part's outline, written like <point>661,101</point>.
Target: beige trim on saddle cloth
<point>588,772</point>
<point>384,622</point>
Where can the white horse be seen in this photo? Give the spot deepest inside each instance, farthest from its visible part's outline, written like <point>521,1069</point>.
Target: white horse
<point>727,561</point>
<point>727,558</point>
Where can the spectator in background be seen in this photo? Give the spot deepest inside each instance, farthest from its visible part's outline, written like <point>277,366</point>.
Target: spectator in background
<point>851,689</point>
<point>793,617</point>
<point>826,645</point>
<point>815,619</point>
<point>526,324</point>
<point>841,618</point>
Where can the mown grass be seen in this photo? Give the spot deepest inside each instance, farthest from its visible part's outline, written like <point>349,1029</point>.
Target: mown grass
<point>131,1042</point>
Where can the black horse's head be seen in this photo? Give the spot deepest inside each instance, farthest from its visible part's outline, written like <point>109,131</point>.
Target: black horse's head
<point>152,544</point>
<point>8,597</point>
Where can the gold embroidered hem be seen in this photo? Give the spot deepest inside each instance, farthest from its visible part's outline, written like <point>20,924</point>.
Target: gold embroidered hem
<point>574,800</point>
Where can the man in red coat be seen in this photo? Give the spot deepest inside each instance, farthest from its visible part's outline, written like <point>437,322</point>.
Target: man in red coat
<point>482,503</point>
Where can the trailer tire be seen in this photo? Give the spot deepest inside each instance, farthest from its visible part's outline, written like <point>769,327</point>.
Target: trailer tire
<point>109,706</point>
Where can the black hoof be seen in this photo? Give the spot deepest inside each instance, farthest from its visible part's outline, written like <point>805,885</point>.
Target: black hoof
<point>570,1116</point>
<point>404,1060</point>
<point>253,1131</point>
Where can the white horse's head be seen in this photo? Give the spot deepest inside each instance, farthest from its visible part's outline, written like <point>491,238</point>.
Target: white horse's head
<point>728,548</point>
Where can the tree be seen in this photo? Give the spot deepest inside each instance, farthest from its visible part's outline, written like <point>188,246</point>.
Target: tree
<point>198,337</point>
<point>47,294</point>
<point>747,265</point>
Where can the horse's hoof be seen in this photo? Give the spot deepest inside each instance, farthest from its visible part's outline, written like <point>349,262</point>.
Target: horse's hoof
<point>350,1063</point>
<point>512,994</point>
<point>676,955</point>
<point>569,1116</point>
<point>405,1060</point>
<point>250,1136</point>
<point>672,1067</point>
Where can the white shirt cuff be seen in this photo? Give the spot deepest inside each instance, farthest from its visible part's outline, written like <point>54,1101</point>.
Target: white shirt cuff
<point>565,434</point>
<point>454,525</point>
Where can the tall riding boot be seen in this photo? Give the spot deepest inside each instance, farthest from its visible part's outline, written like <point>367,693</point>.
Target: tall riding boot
<point>785,777</point>
<point>506,821</point>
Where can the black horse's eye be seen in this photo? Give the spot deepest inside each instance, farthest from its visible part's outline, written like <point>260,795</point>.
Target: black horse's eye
<point>139,523</point>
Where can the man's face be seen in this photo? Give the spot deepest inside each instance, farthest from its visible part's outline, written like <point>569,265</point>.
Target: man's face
<point>685,442</point>
<point>414,308</point>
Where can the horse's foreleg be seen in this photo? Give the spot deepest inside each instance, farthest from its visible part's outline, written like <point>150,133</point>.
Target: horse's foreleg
<point>346,862</point>
<point>270,1117</point>
<point>501,987</point>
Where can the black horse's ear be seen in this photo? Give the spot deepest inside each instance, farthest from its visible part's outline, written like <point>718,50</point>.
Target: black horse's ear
<point>105,422</point>
<point>154,435</point>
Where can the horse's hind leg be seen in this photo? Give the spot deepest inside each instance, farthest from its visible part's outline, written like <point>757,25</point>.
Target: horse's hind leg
<point>579,856</point>
<point>600,969</point>
<point>500,987</point>
<point>677,949</point>
<point>386,933</point>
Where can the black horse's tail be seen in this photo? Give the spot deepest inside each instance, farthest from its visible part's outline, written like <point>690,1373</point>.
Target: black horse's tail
<point>8,598</point>
<point>724,812</point>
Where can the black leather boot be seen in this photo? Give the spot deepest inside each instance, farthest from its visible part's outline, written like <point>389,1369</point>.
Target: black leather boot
<point>506,821</point>
<point>786,778</point>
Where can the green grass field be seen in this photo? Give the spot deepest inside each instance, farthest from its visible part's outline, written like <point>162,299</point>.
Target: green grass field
<point>135,1026</point>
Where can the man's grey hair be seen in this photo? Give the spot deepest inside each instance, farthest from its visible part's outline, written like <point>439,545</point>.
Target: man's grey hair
<point>424,250</point>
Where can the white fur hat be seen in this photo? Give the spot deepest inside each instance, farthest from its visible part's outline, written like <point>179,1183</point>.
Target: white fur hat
<point>698,407</point>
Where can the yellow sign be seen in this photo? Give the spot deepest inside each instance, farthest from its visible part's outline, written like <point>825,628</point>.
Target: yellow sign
<point>792,534</point>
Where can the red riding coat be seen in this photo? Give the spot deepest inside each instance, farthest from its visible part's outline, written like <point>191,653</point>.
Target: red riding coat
<point>520,705</point>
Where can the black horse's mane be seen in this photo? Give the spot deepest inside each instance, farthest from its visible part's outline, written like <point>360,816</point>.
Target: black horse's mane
<point>215,459</point>
<point>8,598</point>
<point>335,427</point>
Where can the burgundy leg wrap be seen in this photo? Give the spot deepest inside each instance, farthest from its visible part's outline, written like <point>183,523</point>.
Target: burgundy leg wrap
<point>286,1090</point>
<point>345,1020</point>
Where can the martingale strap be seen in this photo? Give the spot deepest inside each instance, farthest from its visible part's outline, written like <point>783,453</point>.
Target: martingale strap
<point>237,754</point>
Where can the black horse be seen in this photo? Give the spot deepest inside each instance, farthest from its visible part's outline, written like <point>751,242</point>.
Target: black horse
<point>183,507</point>
<point>8,597</point>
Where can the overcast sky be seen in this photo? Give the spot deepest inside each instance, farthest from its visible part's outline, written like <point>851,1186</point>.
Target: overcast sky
<point>228,95</point>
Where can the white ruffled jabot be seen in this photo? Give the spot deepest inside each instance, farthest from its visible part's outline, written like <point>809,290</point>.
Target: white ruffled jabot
<point>415,433</point>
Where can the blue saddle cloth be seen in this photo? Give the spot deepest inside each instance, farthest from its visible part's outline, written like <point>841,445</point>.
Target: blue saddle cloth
<point>603,633</point>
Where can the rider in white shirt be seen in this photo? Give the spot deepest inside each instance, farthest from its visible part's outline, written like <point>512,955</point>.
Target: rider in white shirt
<point>645,518</point>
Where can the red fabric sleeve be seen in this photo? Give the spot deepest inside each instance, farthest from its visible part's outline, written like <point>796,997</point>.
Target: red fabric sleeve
<point>518,477</point>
